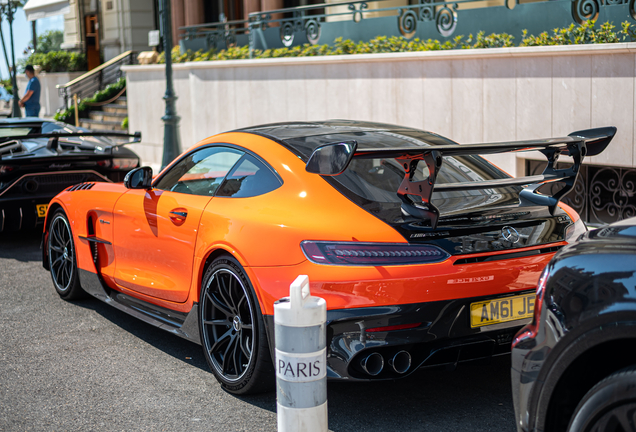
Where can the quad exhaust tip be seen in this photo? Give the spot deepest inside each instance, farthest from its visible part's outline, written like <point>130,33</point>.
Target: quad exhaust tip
<point>372,364</point>
<point>401,362</point>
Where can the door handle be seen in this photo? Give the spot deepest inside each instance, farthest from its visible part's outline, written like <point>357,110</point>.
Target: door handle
<point>178,216</point>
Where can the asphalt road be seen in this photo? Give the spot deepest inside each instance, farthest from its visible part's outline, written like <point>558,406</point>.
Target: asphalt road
<point>87,366</point>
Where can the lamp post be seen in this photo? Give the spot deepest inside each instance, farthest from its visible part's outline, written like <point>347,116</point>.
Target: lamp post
<point>8,8</point>
<point>170,119</point>
<point>4,48</point>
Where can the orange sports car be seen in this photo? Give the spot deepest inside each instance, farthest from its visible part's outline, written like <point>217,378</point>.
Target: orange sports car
<point>426,253</point>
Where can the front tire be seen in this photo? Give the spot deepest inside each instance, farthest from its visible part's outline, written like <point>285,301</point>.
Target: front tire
<point>62,260</point>
<point>232,330</point>
<point>610,406</point>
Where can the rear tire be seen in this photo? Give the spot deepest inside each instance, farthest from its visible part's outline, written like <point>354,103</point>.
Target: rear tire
<point>610,406</point>
<point>62,260</point>
<point>232,330</point>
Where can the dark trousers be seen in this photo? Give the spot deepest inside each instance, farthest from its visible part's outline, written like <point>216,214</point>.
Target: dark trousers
<point>32,111</point>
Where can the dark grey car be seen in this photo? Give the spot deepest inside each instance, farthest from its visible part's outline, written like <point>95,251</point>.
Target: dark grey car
<point>574,366</point>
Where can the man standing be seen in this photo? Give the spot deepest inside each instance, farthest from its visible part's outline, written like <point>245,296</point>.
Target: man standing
<point>31,99</point>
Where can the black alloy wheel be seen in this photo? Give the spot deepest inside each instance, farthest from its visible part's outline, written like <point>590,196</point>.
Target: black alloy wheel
<point>610,406</point>
<point>232,330</point>
<point>62,262</point>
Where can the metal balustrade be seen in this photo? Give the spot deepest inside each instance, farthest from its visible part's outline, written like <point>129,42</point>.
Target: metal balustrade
<point>601,194</point>
<point>220,34</point>
<point>97,79</point>
<point>424,19</point>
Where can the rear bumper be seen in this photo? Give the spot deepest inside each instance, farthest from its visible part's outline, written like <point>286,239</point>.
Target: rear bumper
<point>19,214</point>
<point>18,202</point>
<point>443,337</point>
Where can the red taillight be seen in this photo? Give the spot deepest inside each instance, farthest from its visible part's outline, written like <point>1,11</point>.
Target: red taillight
<point>6,169</point>
<point>393,327</point>
<point>371,254</point>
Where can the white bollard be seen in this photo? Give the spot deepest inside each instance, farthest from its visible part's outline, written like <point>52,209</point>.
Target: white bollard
<point>301,360</point>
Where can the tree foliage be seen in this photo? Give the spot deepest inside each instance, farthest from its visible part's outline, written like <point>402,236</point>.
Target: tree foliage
<point>49,41</point>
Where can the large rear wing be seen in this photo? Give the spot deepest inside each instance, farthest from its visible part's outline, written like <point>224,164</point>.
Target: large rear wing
<point>333,159</point>
<point>55,136</point>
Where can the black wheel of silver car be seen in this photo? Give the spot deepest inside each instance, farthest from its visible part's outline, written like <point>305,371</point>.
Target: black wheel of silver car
<point>232,330</point>
<point>610,406</point>
<point>62,262</point>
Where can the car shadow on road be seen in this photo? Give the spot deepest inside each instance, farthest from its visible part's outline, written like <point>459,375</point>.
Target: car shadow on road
<point>22,245</point>
<point>474,397</point>
<point>173,345</point>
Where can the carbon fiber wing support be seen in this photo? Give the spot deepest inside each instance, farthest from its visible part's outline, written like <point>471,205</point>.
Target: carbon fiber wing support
<point>577,145</point>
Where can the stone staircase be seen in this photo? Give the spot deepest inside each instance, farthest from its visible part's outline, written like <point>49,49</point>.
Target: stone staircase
<point>108,118</point>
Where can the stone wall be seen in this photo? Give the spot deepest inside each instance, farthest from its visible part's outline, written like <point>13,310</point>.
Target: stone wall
<point>471,96</point>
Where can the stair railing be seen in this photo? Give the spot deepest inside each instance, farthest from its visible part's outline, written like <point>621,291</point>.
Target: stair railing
<point>97,79</point>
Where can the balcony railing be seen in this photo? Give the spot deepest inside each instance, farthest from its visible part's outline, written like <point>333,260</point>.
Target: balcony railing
<point>424,19</point>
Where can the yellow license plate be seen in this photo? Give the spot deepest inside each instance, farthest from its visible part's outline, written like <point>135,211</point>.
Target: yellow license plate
<point>41,209</point>
<point>501,310</point>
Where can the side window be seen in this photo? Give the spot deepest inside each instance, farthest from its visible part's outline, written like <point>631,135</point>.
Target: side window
<point>249,178</point>
<point>200,173</point>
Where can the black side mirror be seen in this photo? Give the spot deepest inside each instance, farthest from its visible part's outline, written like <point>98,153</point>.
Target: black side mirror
<point>331,159</point>
<point>139,178</point>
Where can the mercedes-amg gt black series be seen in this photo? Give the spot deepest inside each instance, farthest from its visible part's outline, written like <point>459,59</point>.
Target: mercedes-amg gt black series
<point>425,253</point>
<point>574,366</point>
<point>39,158</point>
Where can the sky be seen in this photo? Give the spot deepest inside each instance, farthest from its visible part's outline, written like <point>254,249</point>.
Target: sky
<point>22,35</point>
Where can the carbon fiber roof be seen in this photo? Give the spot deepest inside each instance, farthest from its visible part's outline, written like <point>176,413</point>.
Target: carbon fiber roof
<point>304,137</point>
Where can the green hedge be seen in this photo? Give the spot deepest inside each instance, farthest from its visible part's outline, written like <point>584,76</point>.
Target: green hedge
<point>586,33</point>
<point>56,61</point>
<point>68,115</point>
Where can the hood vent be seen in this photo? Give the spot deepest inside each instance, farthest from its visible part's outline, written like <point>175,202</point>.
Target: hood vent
<point>81,186</point>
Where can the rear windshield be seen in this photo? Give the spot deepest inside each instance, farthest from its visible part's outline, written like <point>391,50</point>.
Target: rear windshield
<point>377,180</point>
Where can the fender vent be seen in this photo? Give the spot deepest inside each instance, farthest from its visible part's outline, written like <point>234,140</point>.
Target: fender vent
<point>92,245</point>
<point>81,186</point>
